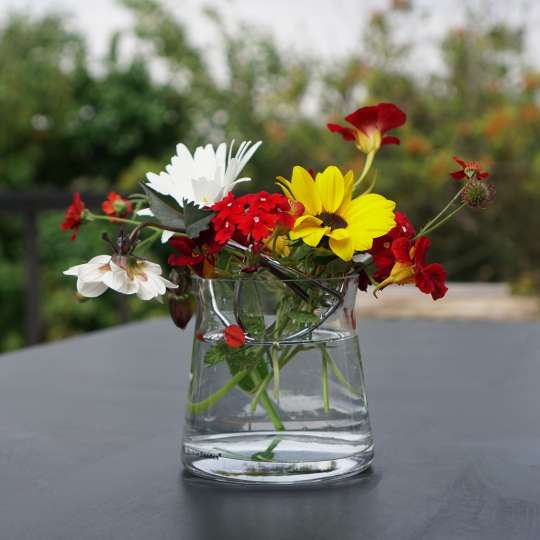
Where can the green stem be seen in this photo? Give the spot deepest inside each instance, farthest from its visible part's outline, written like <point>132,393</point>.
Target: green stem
<point>141,248</point>
<point>268,405</point>
<point>268,454</point>
<point>99,217</point>
<point>205,404</point>
<point>342,379</point>
<point>427,226</point>
<point>449,216</point>
<point>275,370</point>
<point>285,357</point>
<point>367,167</point>
<point>324,378</point>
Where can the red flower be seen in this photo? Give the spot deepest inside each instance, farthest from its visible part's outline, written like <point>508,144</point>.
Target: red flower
<point>381,251</point>
<point>199,254</point>
<point>252,218</point>
<point>469,170</point>
<point>234,336</point>
<point>116,206</point>
<point>74,216</point>
<point>410,267</point>
<point>370,125</point>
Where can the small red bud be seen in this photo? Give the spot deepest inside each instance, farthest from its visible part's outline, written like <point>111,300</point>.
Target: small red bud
<point>234,336</point>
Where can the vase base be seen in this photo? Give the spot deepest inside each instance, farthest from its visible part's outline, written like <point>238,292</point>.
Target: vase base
<point>279,458</point>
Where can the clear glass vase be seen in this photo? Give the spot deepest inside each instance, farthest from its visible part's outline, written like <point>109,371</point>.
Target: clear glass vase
<point>289,405</point>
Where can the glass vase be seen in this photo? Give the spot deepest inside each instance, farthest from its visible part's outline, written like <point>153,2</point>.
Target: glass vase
<point>288,405</point>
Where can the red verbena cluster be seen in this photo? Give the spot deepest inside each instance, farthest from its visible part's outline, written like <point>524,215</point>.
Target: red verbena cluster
<point>252,218</point>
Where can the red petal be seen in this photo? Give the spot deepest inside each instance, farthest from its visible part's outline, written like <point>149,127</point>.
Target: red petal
<point>234,336</point>
<point>389,140</point>
<point>431,280</point>
<point>345,132</point>
<point>183,244</point>
<point>389,117</point>
<point>420,249</point>
<point>458,175</point>
<point>459,161</point>
<point>404,225</point>
<point>364,118</point>
<point>400,249</point>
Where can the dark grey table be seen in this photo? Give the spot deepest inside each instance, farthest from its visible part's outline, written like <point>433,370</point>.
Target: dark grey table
<point>90,430</point>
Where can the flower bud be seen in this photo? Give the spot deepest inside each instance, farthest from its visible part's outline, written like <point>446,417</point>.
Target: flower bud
<point>478,194</point>
<point>181,308</point>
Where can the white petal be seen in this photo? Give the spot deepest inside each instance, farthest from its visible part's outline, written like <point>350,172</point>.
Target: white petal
<point>149,289</point>
<point>93,273</point>
<point>101,259</point>
<point>206,191</point>
<point>148,266</point>
<point>119,281</point>
<point>168,284</point>
<point>166,236</point>
<point>90,289</point>
<point>73,271</point>
<point>145,212</point>
<point>160,183</point>
<point>95,261</point>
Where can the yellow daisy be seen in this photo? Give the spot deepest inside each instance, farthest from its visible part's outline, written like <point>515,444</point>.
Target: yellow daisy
<point>329,210</point>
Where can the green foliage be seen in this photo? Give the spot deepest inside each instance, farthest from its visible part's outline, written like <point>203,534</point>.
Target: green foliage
<point>162,209</point>
<point>196,219</point>
<point>67,126</point>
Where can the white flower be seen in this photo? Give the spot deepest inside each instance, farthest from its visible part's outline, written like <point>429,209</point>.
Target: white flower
<point>204,178</point>
<point>126,275</point>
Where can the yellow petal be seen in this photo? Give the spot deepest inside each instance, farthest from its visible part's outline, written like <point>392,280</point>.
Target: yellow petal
<point>285,186</point>
<point>401,274</point>
<point>342,247</point>
<point>309,229</point>
<point>313,239</point>
<point>331,188</point>
<point>302,187</point>
<point>339,234</point>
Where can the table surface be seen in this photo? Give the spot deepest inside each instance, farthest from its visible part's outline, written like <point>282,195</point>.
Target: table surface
<point>90,432</point>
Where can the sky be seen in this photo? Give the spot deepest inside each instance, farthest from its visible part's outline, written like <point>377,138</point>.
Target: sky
<point>327,28</point>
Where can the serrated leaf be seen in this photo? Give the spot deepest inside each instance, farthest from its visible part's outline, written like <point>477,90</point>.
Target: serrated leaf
<point>196,219</point>
<point>215,354</point>
<point>304,317</point>
<point>166,214</point>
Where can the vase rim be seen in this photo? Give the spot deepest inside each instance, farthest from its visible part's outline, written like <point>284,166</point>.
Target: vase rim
<point>249,277</point>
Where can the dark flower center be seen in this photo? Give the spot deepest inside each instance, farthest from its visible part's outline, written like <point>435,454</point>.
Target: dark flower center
<point>332,220</point>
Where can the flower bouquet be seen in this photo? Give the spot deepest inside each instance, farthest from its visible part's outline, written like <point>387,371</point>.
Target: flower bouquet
<point>276,389</point>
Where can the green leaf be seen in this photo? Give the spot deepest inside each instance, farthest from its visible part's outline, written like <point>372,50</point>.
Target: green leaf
<point>162,210</point>
<point>216,354</point>
<point>304,317</point>
<point>196,219</point>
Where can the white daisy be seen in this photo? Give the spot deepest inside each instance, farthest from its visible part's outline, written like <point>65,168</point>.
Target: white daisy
<point>204,178</point>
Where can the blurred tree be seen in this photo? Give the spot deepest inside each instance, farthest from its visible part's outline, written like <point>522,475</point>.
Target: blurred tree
<point>70,126</point>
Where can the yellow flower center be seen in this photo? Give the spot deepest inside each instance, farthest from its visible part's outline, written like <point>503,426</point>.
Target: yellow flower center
<point>334,221</point>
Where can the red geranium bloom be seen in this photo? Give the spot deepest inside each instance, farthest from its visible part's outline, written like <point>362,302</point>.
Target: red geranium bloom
<point>74,216</point>
<point>234,336</point>
<point>381,251</point>
<point>469,170</point>
<point>116,206</point>
<point>370,125</point>
<point>411,267</point>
